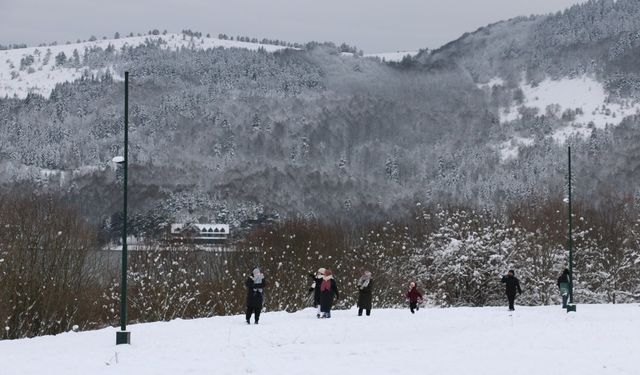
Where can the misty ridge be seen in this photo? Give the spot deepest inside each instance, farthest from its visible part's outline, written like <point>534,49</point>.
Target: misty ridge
<point>319,132</point>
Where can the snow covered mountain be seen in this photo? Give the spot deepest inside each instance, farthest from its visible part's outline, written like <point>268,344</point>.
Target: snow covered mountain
<point>38,70</point>
<point>482,121</point>
<point>576,68</point>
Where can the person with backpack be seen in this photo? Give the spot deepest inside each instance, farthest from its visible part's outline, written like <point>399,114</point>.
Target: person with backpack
<point>328,290</point>
<point>512,285</point>
<point>255,294</point>
<point>564,282</point>
<point>365,293</point>
<point>414,296</point>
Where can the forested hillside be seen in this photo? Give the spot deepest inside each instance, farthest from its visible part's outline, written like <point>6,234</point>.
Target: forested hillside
<point>232,133</point>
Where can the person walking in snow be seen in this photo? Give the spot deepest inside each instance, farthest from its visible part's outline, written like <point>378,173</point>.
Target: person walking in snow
<point>365,296</point>
<point>315,288</point>
<point>414,296</point>
<point>255,294</point>
<point>564,281</point>
<point>512,286</point>
<point>328,290</point>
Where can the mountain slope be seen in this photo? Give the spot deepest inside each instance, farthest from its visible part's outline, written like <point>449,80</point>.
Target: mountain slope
<point>38,70</point>
<point>597,37</point>
<point>247,125</point>
<point>481,122</point>
<point>576,70</point>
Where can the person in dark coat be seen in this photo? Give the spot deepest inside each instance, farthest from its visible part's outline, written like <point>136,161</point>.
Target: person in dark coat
<point>328,290</point>
<point>564,281</point>
<point>255,294</point>
<point>315,288</point>
<point>365,296</point>
<point>414,296</point>
<point>512,286</point>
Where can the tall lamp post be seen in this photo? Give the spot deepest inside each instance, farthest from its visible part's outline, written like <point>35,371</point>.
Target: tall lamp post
<point>571,306</point>
<point>123,336</point>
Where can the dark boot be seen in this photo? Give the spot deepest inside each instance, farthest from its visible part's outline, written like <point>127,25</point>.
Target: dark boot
<point>248,315</point>
<point>512,300</point>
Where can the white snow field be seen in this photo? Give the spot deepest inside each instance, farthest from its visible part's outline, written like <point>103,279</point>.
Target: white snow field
<point>583,92</point>
<point>597,339</point>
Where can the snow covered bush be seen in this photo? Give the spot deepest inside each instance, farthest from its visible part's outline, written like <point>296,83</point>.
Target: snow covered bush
<point>52,278</point>
<point>163,284</point>
<point>467,259</point>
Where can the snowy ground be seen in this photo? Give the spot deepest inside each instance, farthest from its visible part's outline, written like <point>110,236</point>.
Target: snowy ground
<point>598,339</point>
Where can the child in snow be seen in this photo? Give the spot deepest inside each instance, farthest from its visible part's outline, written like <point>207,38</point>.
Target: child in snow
<point>563,284</point>
<point>414,296</point>
<point>315,288</point>
<point>328,289</point>
<point>512,285</point>
<point>365,296</point>
<point>255,288</point>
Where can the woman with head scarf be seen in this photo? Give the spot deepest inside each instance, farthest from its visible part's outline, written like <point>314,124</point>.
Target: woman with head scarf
<point>315,288</point>
<point>365,295</point>
<point>328,290</point>
<point>255,294</point>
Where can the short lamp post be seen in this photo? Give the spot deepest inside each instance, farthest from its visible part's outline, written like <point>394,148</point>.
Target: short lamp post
<point>571,306</point>
<point>123,336</point>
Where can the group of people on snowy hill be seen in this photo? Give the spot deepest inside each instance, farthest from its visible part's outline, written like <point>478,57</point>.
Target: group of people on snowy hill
<point>325,291</point>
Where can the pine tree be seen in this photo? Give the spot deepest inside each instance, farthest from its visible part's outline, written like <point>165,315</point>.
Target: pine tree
<point>61,58</point>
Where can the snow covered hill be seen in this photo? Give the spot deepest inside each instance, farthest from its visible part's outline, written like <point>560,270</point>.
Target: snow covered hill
<point>334,135</point>
<point>582,103</point>
<point>36,70</point>
<point>598,339</point>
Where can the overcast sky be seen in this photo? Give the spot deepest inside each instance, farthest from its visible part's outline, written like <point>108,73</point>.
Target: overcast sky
<point>371,25</point>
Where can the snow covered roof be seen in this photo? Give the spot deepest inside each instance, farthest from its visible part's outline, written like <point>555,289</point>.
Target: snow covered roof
<point>208,228</point>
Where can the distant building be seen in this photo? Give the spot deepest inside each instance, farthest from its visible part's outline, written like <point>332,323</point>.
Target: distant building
<point>214,234</point>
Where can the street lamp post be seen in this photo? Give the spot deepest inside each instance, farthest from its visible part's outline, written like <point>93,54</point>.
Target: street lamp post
<point>570,306</point>
<point>123,336</point>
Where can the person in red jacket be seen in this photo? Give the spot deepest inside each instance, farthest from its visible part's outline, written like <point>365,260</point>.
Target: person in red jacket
<point>414,296</point>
